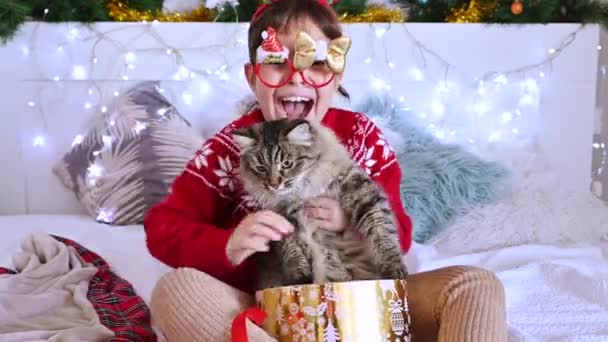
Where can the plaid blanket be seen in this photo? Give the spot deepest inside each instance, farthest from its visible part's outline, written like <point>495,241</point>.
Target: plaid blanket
<point>119,308</point>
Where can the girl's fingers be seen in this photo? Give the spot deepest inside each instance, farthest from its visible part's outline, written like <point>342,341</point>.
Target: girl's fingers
<point>266,232</point>
<point>255,243</point>
<point>276,222</point>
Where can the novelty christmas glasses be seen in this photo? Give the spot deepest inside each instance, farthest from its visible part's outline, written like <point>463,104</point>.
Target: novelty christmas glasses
<point>317,63</point>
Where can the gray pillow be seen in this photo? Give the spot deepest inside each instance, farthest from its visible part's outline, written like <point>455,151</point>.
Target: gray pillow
<point>127,161</point>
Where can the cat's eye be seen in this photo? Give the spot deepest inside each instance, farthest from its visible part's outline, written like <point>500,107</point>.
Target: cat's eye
<point>287,164</point>
<point>260,169</point>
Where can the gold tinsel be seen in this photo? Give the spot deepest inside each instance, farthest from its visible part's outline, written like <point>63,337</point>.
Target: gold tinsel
<point>375,13</point>
<point>473,12</point>
<point>119,11</point>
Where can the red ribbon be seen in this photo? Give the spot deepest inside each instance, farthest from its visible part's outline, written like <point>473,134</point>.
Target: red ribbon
<point>239,324</point>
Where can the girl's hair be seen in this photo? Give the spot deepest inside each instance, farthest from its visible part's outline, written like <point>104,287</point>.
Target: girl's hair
<point>281,13</point>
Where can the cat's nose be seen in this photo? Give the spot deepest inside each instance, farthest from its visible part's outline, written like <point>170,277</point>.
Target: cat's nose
<point>274,182</point>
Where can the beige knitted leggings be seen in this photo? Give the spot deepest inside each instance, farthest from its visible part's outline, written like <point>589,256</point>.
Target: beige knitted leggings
<point>459,304</point>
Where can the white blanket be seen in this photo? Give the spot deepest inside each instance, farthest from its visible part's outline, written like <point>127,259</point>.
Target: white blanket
<point>47,298</point>
<point>553,293</point>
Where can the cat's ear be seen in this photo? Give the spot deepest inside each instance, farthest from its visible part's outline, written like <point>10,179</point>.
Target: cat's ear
<point>300,134</point>
<point>242,137</point>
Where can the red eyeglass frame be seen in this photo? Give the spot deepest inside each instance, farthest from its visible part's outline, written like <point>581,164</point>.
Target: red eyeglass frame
<point>292,71</point>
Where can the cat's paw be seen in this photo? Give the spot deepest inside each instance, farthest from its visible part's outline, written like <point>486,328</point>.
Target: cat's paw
<point>395,271</point>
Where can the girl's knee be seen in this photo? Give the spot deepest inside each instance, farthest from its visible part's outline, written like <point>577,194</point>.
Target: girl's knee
<point>474,281</point>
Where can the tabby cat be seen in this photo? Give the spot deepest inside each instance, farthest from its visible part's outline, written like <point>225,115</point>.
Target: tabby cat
<point>283,164</point>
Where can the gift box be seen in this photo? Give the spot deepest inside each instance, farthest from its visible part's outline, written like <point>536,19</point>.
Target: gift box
<point>366,311</point>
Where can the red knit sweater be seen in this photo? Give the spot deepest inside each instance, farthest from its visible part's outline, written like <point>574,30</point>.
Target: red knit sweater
<point>191,227</point>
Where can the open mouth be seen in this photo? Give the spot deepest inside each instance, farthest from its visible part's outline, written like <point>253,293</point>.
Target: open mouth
<point>296,106</point>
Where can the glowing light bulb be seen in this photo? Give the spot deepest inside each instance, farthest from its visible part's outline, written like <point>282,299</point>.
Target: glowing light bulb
<point>130,57</point>
<point>527,100</point>
<point>416,74</point>
<point>182,73</point>
<point>31,103</point>
<point>139,126</point>
<point>507,117</point>
<point>88,105</point>
<point>46,11</point>
<point>378,83</point>
<point>599,48</point>
<point>380,31</point>
<point>72,34</point>
<point>368,60</point>
<point>39,141</point>
<point>90,91</point>
<point>169,51</point>
<point>56,78</point>
<point>596,145</point>
<point>501,79</point>
<point>541,74</point>
<point>391,65</point>
<point>438,110</point>
<point>515,131</point>
<point>494,136</point>
<point>531,84</point>
<point>79,72</point>
<point>187,98</point>
<point>552,51</point>
<point>95,60</point>
<point>78,140</point>
<point>107,140</point>
<point>125,77</point>
<point>401,98</point>
<point>115,93</point>
<point>95,170</point>
<point>104,109</point>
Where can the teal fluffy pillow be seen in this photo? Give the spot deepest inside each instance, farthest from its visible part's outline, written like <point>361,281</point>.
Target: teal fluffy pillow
<point>440,181</point>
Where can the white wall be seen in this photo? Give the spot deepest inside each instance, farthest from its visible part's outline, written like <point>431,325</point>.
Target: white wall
<point>558,111</point>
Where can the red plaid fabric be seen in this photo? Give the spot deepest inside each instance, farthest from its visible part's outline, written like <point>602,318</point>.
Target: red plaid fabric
<point>119,308</point>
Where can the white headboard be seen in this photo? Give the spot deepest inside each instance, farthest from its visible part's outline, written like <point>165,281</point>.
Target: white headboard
<point>51,88</point>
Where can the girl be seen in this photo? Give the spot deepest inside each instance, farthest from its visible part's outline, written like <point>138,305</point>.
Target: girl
<point>208,227</point>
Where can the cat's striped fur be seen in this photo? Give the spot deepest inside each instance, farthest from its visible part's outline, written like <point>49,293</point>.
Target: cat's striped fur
<point>286,162</point>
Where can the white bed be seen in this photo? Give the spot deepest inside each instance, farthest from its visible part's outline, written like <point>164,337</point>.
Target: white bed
<point>553,293</point>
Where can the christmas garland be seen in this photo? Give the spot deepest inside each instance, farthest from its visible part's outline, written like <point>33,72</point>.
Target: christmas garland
<point>13,13</point>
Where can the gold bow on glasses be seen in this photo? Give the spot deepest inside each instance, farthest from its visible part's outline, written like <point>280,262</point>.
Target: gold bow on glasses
<point>306,52</point>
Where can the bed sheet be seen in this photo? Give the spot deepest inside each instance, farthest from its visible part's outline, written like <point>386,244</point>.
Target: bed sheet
<point>553,293</point>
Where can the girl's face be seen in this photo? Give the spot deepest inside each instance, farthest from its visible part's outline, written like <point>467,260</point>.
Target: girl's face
<point>295,99</point>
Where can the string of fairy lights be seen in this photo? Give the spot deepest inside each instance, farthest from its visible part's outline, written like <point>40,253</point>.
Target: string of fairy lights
<point>102,90</point>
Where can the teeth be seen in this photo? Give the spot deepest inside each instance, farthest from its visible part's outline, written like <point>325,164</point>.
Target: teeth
<point>296,99</point>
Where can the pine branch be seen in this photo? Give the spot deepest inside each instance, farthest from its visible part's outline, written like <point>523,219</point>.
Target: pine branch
<point>244,10</point>
<point>534,11</point>
<point>430,10</point>
<point>12,14</point>
<point>592,11</point>
<point>144,5</point>
<point>351,6</point>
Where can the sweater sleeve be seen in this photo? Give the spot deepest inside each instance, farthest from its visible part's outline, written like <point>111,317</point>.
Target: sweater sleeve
<point>182,230</point>
<point>379,160</point>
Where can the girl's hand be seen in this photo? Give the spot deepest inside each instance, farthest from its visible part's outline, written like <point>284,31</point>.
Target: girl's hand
<point>254,233</point>
<point>327,214</point>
